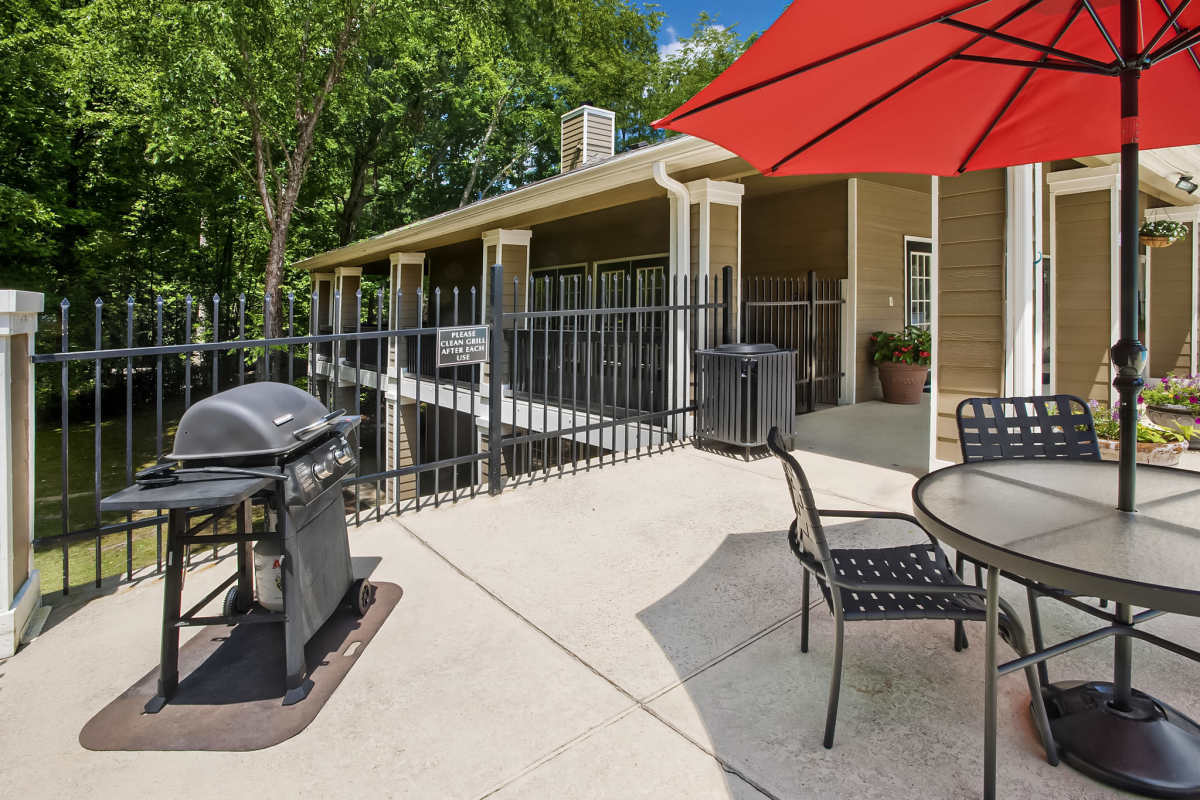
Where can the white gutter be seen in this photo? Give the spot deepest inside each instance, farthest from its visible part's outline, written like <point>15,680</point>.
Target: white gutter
<point>680,263</point>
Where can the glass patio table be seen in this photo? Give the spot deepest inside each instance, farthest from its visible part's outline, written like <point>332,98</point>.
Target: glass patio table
<point>1054,524</point>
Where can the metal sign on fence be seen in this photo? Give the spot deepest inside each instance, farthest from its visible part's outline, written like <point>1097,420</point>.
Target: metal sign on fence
<point>462,345</point>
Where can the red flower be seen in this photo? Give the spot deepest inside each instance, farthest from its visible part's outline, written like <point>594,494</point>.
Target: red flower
<point>924,354</point>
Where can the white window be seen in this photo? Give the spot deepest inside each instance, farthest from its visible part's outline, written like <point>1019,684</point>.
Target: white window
<point>918,284</point>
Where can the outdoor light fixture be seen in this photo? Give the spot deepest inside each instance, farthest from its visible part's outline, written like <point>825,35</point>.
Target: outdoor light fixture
<point>1186,183</point>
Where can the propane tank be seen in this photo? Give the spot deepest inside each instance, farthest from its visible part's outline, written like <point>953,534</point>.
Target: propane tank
<point>268,576</point>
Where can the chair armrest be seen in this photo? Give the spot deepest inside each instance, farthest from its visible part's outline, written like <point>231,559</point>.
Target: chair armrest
<point>909,518</point>
<point>911,588</point>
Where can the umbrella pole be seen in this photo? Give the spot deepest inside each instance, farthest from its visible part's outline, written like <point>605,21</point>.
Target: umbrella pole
<point>1129,354</point>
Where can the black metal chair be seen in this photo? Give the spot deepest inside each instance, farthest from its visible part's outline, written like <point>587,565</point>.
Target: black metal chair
<point>1049,426</point>
<point>908,582</point>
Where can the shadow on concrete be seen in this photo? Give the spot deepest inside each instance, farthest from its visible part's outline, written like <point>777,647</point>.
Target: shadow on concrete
<point>761,704</point>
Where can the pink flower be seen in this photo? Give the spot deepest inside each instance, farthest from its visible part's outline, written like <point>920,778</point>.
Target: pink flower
<point>1193,399</point>
<point>1140,400</point>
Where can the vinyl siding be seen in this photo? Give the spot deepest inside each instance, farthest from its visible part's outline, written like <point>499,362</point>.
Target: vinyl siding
<point>1171,308</point>
<point>970,345</point>
<point>633,229</point>
<point>1082,275</point>
<point>790,233</point>
<point>886,214</point>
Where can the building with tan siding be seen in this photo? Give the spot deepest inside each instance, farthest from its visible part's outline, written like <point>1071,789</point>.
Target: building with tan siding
<point>1013,271</point>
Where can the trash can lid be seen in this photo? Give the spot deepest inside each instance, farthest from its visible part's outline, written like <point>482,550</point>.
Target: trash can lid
<point>746,349</point>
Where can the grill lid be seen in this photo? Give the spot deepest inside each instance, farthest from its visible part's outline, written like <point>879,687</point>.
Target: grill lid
<point>255,420</point>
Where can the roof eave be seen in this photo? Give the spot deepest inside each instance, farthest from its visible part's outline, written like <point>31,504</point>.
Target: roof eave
<point>681,152</point>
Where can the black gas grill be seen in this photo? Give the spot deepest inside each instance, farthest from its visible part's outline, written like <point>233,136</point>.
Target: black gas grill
<point>262,443</point>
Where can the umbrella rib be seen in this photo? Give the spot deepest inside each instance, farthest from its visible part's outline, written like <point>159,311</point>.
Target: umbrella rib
<point>900,87</point>
<point>1062,66</point>
<point>1030,45</point>
<point>1166,26</point>
<point>1116,51</point>
<point>1183,41</point>
<point>1012,98</point>
<point>1179,29</point>
<point>754,87</point>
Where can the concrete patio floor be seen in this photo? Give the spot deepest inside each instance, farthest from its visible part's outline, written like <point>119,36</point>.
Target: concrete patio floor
<point>629,632</point>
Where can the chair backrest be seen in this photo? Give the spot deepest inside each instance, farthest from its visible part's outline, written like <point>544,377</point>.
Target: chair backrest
<point>1049,426</point>
<point>810,535</point>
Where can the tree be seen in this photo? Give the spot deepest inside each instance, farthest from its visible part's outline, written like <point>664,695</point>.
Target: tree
<point>683,71</point>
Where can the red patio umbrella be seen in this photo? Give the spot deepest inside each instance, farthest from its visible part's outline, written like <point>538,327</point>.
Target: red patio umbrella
<point>938,87</point>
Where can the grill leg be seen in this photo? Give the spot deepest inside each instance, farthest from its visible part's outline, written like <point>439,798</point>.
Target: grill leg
<point>297,683</point>
<point>168,668</point>
<point>245,561</point>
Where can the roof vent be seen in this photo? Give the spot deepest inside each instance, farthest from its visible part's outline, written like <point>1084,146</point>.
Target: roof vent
<point>588,136</point>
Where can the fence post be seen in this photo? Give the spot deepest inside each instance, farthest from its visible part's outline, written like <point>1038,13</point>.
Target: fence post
<point>812,340</point>
<point>495,378</point>
<point>20,584</point>
<point>726,302</point>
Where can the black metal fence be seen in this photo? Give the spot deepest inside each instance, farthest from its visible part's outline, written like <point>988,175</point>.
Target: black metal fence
<point>591,381</point>
<point>578,387</point>
<point>805,315</point>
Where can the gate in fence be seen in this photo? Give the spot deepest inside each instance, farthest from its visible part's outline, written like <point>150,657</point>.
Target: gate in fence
<point>589,380</point>
<point>802,314</point>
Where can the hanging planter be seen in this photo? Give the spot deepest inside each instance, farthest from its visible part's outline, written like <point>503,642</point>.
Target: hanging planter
<point>1162,233</point>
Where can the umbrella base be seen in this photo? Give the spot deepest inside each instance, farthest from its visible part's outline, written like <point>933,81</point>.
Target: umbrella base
<point>1152,749</point>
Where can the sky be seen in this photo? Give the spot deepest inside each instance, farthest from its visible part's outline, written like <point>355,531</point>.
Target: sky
<point>749,16</point>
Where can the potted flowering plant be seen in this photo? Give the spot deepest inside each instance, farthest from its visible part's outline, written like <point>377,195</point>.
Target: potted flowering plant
<point>1174,402</point>
<point>1155,444</point>
<point>903,361</point>
<point>1161,233</point>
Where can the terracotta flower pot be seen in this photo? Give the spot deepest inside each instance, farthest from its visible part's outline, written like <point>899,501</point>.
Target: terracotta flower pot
<point>1162,455</point>
<point>902,383</point>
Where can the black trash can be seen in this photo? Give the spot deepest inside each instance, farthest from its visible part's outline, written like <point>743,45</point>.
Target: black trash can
<point>742,391</point>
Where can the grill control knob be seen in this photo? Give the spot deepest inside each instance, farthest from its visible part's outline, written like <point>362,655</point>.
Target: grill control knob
<point>322,472</point>
<point>342,455</point>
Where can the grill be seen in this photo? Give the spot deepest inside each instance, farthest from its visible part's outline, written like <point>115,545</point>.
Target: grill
<point>269,444</point>
<point>742,391</point>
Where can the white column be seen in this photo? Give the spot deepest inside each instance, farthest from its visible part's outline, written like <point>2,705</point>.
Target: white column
<point>849,381</point>
<point>705,194</point>
<point>1020,365</point>
<point>20,584</point>
<point>935,314</point>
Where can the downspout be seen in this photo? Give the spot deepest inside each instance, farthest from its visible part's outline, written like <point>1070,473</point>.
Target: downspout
<point>680,262</point>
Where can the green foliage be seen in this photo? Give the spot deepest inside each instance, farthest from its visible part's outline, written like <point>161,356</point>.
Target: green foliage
<point>910,346</point>
<point>1108,427</point>
<point>1183,393</point>
<point>128,131</point>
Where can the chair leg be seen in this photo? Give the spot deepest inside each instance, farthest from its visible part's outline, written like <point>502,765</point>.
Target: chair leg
<point>960,633</point>
<point>804,616</point>
<point>1035,630</point>
<point>1041,719</point>
<point>1016,637</point>
<point>835,683</point>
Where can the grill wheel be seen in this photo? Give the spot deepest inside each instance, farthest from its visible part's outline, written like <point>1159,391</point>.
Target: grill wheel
<point>361,596</point>
<point>234,604</point>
